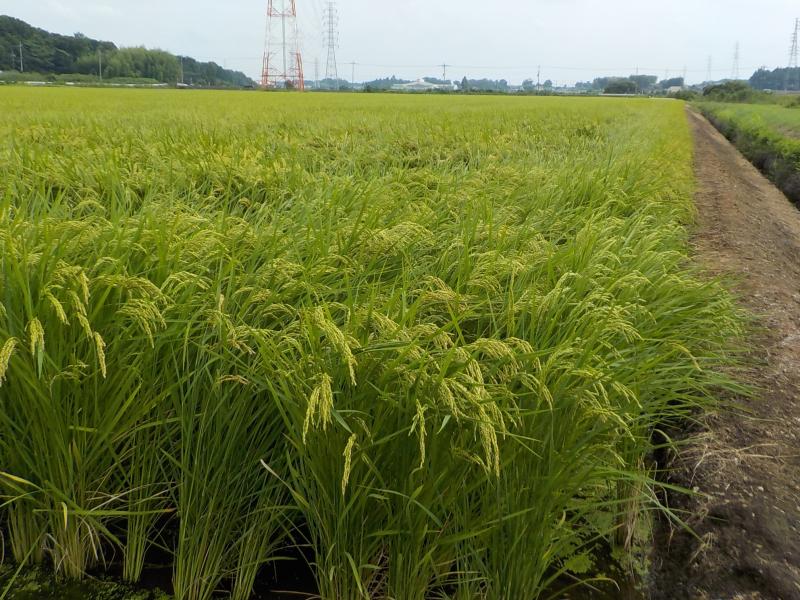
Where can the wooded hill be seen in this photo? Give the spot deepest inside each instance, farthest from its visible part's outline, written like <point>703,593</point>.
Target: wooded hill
<point>54,54</point>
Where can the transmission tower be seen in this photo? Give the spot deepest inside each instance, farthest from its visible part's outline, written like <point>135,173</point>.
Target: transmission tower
<point>735,70</point>
<point>283,63</point>
<point>793,53</point>
<point>331,17</point>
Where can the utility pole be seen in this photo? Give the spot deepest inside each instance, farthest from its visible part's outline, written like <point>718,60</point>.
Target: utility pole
<point>353,76</point>
<point>13,59</point>
<point>709,72</point>
<point>316,73</point>
<point>684,76</point>
<point>21,64</point>
<point>736,57</point>
<point>100,64</point>
<point>444,72</point>
<point>539,78</point>
<point>331,26</point>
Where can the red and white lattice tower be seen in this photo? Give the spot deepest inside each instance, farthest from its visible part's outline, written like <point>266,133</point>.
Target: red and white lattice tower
<point>283,63</point>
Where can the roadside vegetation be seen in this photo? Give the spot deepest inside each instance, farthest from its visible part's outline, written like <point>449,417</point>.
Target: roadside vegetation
<point>426,343</point>
<point>767,134</point>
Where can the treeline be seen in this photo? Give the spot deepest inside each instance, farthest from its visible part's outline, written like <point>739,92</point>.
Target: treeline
<point>777,79</point>
<point>633,84</point>
<point>483,85</point>
<point>54,54</point>
<point>736,92</point>
<point>384,83</point>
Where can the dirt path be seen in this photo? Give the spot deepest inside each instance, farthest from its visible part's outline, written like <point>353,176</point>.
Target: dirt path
<point>745,464</point>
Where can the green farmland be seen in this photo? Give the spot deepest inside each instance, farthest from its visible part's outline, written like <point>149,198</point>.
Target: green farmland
<point>423,343</point>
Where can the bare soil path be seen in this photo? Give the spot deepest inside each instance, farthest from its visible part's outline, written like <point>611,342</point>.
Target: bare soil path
<point>745,464</point>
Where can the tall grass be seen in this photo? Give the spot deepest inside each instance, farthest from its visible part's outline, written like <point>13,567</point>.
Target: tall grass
<point>426,339</point>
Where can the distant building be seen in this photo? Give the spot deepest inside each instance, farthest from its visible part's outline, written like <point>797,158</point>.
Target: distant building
<point>420,85</point>
<point>675,89</point>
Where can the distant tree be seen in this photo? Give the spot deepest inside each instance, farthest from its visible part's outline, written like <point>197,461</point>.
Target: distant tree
<point>668,83</point>
<point>464,84</point>
<point>138,62</point>
<point>733,91</point>
<point>44,52</point>
<point>601,83</point>
<point>644,83</point>
<point>54,54</point>
<point>528,85</point>
<point>548,85</point>
<point>385,83</point>
<point>777,79</point>
<point>620,86</point>
<point>684,94</point>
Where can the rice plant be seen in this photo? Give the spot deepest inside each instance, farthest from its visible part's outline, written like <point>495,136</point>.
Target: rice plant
<point>425,340</point>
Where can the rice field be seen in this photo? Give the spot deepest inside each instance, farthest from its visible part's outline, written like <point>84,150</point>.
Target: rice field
<point>426,343</point>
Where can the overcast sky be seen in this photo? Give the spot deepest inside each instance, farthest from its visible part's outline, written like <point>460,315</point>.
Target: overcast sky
<point>571,39</point>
